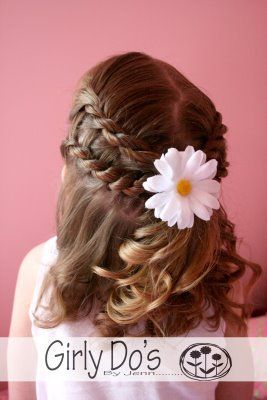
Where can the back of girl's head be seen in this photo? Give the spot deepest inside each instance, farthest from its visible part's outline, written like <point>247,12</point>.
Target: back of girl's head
<point>126,112</point>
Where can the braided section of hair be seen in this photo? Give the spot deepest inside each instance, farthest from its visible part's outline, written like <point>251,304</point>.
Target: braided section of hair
<point>119,160</point>
<point>216,145</point>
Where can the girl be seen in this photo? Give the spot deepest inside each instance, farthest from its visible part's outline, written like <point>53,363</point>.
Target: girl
<point>143,246</point>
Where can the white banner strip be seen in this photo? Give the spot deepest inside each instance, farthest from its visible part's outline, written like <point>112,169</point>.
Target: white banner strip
<point>133,359</point>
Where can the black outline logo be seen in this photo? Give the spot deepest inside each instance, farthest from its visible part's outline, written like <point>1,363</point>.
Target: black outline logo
<point>205,361</point>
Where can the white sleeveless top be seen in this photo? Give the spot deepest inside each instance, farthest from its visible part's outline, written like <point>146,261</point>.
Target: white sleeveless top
<point>96,390</point>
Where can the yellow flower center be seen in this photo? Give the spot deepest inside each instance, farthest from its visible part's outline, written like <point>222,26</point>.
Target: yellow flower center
<point>183,187</point>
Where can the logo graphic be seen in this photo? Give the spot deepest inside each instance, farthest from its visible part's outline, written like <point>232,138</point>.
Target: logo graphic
<point>205,361</point>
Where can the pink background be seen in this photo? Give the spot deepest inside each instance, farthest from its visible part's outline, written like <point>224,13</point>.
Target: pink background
<point>47,45</point>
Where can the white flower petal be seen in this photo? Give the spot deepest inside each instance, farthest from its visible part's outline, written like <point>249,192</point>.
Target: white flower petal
<point>193,164</point>
<point>157,200</point>
<point>185,216</point>
<point>204,158</point>
<point>174,159</point>
<point>173,220</point>
<point>206,198</point>
<point>157,183</point>
<point>186,154</point>
<point>206,171</point>
<point>163,167</point>
<point>208,185</point>
<point>209,210</point>
<point>157,211</point>
<point>171,208</point>
<point>191,221</point>
<point>199,209</point>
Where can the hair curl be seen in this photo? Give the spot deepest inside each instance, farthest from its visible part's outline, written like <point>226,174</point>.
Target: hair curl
<point>127,111</point>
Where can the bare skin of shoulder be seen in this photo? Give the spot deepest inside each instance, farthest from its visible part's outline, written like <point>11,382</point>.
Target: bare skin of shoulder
<point>20,322</point>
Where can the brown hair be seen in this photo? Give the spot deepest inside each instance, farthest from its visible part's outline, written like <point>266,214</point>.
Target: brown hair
<point>127,110</point>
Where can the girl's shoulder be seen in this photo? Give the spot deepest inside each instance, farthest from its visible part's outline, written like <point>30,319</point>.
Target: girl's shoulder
<point>40,255</point>
<point>49,251</point>
<point>47,255</point>
<point>27,276</point>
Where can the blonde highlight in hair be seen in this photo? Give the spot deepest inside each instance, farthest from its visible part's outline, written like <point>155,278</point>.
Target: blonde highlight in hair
<point>114,253</point>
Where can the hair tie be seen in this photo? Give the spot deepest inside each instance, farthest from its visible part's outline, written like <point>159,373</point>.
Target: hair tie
<point>184,187</point>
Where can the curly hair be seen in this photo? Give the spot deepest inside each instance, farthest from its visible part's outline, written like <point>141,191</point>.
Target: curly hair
<point>127,110</point>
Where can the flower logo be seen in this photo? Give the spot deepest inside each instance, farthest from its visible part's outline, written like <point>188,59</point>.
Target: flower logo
<point>205,361</point>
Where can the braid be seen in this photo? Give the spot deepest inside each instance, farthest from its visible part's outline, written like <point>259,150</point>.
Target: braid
<point>119,160</point>
<point>216,145</point>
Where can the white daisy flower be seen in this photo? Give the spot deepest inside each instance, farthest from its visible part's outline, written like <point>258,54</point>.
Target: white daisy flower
<point>184,187</point>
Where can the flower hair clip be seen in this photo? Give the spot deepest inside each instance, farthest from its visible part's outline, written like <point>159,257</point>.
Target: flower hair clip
<point>184,187</point>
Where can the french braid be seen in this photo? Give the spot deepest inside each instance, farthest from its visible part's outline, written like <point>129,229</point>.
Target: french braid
<point>123,164</point>
<point>216,145</point>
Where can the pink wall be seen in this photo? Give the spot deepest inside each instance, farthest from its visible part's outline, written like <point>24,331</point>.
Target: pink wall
<point>46,46</point>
